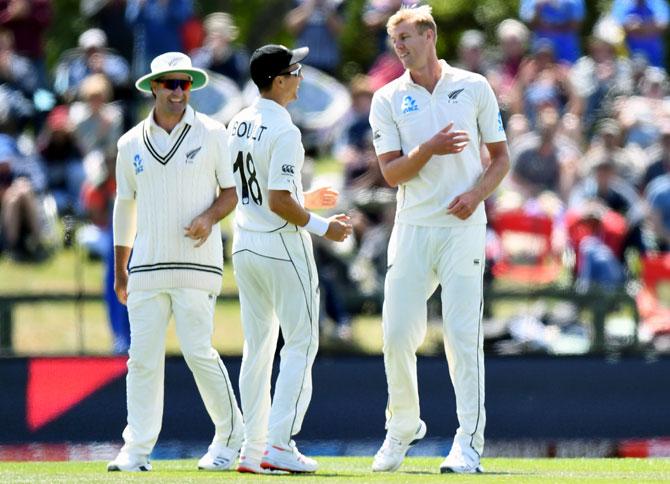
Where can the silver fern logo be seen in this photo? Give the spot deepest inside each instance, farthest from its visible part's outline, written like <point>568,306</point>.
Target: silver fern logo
<point>190,156</point>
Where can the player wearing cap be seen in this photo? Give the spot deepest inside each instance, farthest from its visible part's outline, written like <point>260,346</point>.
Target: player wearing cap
<point>427,127</point>
<point>174,183</point>
<point>274,263</point>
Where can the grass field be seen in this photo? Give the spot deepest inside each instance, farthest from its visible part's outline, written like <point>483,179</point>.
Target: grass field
<point>357,470</point>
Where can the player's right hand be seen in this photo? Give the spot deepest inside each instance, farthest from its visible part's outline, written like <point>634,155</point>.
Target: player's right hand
<point>448,142</point>
<point>121,287</point>
<point>339,227</point>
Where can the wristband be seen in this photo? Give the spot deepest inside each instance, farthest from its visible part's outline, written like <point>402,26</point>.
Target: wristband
<point>317,225</point>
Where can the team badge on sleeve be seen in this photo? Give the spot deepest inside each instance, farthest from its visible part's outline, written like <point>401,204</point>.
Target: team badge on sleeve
<point>288,170</point>
<point>137,163</point>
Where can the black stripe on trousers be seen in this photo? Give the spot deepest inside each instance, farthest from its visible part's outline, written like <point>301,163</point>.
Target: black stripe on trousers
<point>306,294</point>
<point>479,329</point>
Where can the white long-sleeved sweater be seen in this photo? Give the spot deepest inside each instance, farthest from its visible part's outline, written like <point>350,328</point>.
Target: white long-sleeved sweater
<point>172,182</point>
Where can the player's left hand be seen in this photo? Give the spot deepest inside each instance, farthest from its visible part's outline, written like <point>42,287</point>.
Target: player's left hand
<point>463,205</point>
<point>323,197</point>
<point>199,229</point>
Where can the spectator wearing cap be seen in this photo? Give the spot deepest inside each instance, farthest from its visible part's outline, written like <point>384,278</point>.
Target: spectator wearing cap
<point>28,20</point>
<point>558,21</point>
<point>63,160</point>
<point>318,24</point>
<point>157,27</point>
<point>218,54</point>
<point>645,23</point>
<point>600,77</point>
<point>92,57</point>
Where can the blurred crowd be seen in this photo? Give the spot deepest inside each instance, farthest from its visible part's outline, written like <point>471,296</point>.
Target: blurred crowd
<point>587,119</point>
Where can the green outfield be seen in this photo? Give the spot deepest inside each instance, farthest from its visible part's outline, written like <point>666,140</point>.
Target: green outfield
<point>357,470</point>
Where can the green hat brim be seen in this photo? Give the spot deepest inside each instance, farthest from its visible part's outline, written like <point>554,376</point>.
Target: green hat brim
<point>200,78</point>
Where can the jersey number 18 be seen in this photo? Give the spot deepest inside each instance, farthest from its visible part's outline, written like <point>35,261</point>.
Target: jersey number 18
<point>251,185</point>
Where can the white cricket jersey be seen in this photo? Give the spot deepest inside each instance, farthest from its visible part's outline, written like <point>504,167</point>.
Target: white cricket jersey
<point>174,177</point>
<point>267,154</point>
<point>404,115</point>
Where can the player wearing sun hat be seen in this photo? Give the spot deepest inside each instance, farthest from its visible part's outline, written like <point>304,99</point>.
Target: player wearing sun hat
<point>174,183</point>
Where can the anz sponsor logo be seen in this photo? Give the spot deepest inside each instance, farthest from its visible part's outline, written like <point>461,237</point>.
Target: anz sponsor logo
<point>288,170</point>
<point>190,156</point>
<point>137,163</point>
<point>408,105</point>
<point>454,94</point>
<point>501,128</point>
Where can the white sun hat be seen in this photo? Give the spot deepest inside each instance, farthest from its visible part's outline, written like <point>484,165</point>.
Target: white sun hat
<point>169,63</point>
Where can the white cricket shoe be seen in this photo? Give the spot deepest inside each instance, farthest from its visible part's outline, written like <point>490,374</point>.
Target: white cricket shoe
<point>218,458</point>
<point>287,459</point>
<point>461,461</point>
<point>129,463</point>
<point>248,465</point>
<point>392,452</point>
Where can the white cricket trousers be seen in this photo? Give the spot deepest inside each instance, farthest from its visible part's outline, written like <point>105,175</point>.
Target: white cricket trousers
<point>278,287</point>
<point>193,311</point>
<point>418,259</point>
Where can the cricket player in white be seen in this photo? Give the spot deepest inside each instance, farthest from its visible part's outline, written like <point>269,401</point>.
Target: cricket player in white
<point>274,263</point>
<point>174,183</point>
<point>427,127</point>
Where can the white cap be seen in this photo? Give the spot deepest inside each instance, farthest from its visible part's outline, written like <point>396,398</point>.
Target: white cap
<point>93,38</point>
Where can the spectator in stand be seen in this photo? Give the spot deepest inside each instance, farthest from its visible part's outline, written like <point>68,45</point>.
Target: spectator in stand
<point>603,185</point>
<point>657,196</point>
<point>21,234</point>
<point>512,38</point>
<point>639,115</point>
<point>471,52</point>
<point>645,23</point>
<point>218,54</point>
<point>541,81</point>
<point>659,156</point>
<point>110,17</point>
<point>317,24</point>
<point>28,20</point>
<point>598,267</point>
<point>599,78</point>
<point>97,194</point>
<point>63,160</point>
<point>353,148</point>
<point>630,162</point>
<point>157,26</point>
<point>375,15</point>
<point>93,58</point>
<point>544,160</point>
<point>16,71</point>
<point>97,123</point>
<point>385,68</point>
<point>558,21</point>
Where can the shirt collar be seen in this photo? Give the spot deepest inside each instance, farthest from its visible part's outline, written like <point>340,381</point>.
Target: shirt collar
<point>447,71</point>
<point>187,118</point>
<point>264,103</point>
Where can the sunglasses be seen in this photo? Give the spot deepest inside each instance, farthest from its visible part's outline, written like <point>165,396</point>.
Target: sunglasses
<point>173,84</point>
<point>295,73</point>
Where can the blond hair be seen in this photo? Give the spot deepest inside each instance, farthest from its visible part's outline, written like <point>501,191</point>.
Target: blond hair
<point>95,84</point>
<point>421,17</point>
